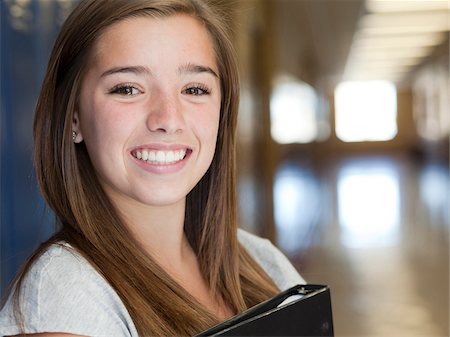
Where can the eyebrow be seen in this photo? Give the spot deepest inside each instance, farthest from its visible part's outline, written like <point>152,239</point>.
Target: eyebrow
<point>138,70</point>
<point>191,68</point>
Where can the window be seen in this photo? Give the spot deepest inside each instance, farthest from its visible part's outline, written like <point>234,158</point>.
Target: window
<point>293,108</point>
<point>366,111</point>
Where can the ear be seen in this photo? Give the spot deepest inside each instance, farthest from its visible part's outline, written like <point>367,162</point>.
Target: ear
<point>77,136</point>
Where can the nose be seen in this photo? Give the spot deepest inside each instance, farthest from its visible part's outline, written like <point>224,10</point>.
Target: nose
<point>165,114</point>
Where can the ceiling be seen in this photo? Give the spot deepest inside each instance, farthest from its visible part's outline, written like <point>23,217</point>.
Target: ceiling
<point>324,41</point>
<point>314,37</point>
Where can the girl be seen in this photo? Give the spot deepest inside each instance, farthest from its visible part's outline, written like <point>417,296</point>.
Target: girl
<point>135,153</point>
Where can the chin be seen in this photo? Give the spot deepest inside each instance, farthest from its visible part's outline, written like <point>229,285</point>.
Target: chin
<point>163,200</point>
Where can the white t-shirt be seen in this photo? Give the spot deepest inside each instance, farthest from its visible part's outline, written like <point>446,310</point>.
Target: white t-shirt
<point>64,293</point>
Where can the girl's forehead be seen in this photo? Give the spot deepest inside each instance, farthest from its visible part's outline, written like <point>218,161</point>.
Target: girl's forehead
<point>128,28</point>
<point>144,35</point>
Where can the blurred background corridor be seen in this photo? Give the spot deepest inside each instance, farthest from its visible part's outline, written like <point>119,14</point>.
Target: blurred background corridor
<point>343,145</point>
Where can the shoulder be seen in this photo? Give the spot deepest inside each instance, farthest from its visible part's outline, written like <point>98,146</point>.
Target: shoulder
<point>271,259</point>
<point>62,292</point>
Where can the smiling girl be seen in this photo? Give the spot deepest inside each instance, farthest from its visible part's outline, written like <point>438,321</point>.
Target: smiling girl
<point>135,154</point>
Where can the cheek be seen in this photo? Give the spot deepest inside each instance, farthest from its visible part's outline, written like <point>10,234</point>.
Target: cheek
<point>208,120</point>
<point>102,123</point>
<point>209,127</point>
<point>105,138</point>
<point>210,134</point>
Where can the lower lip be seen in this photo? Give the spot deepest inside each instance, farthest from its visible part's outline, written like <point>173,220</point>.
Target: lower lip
<point>162,168</point>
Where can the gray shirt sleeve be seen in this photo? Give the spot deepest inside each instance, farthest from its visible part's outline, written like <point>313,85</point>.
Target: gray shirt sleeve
<point>63,293</point>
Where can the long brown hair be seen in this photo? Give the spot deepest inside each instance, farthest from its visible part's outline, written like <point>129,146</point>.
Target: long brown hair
<point>88,219</point>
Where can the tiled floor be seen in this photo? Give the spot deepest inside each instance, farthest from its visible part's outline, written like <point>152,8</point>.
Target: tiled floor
<point>376,230</point>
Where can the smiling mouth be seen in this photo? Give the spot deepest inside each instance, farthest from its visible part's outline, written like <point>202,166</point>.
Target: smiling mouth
<point>160,157</point>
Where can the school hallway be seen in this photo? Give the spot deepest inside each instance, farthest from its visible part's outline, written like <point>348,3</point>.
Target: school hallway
<point>375,229</point>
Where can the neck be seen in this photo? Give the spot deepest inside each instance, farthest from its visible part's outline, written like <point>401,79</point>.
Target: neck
<point>159,229</point>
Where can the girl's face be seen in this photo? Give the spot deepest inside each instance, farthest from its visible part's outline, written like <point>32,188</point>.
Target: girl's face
<point>149,109</point>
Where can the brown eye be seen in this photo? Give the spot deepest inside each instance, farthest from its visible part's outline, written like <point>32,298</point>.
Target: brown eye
<point>196,91</point>
<point>125,90</point>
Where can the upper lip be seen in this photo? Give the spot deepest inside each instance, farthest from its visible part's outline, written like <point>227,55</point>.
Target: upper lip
<point>161,147</point>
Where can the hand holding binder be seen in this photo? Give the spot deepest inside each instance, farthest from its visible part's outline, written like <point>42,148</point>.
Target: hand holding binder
<point>303,310</point>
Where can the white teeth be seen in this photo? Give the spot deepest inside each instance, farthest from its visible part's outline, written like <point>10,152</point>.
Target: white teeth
<point>170,157</point>
<point>160,157</point>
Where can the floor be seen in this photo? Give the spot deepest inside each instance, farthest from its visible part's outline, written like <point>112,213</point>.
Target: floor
<point>375,229</point>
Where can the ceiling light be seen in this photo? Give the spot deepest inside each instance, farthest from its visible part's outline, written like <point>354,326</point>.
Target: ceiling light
<point>398,41</point>
<point>406,5</point>
<point>438,20</point>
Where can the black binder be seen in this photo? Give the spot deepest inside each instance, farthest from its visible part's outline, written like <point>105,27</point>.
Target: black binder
<point>307,313</point>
